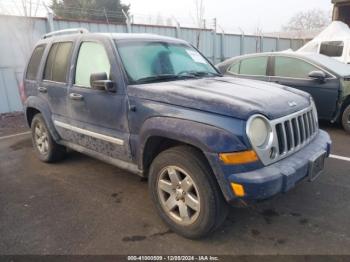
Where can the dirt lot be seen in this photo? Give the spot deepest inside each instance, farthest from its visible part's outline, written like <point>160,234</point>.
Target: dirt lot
<point>12,123</point>
<point>84,206</point>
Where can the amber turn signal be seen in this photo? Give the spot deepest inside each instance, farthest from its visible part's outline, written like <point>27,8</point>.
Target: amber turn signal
<point>238,189</point>
<point>237,158</point>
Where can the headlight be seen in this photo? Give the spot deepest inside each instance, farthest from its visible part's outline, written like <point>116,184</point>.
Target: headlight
<point>259,131</point>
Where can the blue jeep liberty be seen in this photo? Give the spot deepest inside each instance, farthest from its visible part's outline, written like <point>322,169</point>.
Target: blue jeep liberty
<point>157,107</point>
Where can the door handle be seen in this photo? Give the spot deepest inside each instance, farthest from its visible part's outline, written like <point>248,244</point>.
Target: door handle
<point>42,89</point>
<point>75,96</point>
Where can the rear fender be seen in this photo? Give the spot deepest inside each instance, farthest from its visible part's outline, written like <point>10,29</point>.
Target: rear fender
<point>42,106</point>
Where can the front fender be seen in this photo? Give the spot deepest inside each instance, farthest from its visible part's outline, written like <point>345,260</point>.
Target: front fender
<point>203,136</point>
<point>44,108</point>
<point>209,139</point>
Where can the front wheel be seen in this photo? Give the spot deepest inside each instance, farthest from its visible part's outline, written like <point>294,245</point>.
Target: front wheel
<point>346,119</point>
<point>185,192</point>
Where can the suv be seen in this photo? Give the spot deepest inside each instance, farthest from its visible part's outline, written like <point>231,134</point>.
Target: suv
<point>157,107</point>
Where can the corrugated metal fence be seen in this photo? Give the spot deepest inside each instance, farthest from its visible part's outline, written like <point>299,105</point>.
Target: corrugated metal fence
<point>18,35</point>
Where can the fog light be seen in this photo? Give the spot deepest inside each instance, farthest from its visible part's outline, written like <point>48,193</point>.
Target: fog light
<point>238,189</point>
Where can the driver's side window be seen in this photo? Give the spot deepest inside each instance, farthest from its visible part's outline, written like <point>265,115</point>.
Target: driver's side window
<point>92,58</point>
<point>293,68</point>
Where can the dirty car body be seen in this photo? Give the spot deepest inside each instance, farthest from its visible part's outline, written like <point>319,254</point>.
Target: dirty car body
<point>158,96</point>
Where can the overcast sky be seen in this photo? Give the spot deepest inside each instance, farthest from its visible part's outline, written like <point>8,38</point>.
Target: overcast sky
<point>269,15</point>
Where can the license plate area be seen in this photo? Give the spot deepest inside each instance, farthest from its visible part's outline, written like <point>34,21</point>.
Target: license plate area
<point>316,165</point>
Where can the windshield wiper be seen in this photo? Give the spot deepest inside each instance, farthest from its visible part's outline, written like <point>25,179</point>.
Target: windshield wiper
<point>163,77</point>
<point>181,75</point>
<point>199,73</point>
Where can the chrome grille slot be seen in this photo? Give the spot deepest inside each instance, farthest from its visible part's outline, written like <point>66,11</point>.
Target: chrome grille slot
<point>295,128</point>
<point>295,131</point>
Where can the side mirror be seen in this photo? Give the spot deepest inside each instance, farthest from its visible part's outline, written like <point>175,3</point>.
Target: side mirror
<point>100,81</point>
<point>318,75</point>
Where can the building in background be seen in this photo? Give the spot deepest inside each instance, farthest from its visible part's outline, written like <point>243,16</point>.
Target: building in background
<point>341,11</point>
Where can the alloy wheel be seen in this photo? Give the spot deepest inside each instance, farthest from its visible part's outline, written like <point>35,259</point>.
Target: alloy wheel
<point>41,138</point>
<point>178,195</point>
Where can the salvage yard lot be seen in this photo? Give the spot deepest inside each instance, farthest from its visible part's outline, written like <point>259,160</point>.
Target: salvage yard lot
<point>84,206</point>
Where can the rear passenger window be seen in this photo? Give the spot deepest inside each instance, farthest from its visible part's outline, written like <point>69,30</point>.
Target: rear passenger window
<point>57,62</point>
<point>255,66</point>
<point>34,62</point>
<point>92,58</point>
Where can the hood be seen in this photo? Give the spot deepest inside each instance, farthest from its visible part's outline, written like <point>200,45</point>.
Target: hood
<point>239,98</point>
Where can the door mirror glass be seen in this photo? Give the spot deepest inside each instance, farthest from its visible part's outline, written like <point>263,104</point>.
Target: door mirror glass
<point>100,81</point>
<point>318,75</point>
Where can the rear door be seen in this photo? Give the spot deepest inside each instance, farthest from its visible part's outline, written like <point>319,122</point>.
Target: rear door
<point>294,72</point>
<point>97,118</point>
<point>54,81</point>
<point>31,76</point>
<point>251,68</point>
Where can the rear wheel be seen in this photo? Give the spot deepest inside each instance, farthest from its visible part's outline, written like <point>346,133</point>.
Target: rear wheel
<point>186,193</point>
<point>46,148</point>
<point>346,119</point>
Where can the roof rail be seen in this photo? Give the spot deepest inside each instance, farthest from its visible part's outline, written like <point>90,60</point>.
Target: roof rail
<point>66,31</point>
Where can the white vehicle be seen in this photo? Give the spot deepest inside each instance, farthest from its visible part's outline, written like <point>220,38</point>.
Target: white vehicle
<point>334,41</point>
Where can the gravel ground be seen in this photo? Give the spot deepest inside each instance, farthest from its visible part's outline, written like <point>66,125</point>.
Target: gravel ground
<point>11,123</point>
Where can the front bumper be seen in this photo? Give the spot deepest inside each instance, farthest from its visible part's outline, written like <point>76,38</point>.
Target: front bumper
<point>282,175</point>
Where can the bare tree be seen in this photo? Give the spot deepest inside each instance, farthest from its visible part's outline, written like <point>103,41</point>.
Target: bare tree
<point>159,19</point>
<point>258,38</point>
<point>308,21</point>
<point>199,18</point>
<point>29,9</point>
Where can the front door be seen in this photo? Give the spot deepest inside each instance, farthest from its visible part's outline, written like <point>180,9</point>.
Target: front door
<point>294,72</point>
<point>98,118</point>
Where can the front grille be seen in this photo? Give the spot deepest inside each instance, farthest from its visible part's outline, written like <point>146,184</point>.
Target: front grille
<point>295,131</point>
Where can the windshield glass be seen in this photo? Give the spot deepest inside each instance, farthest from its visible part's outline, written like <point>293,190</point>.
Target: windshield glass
<point>150,61</point>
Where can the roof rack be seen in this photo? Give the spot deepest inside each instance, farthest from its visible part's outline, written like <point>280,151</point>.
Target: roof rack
<point>67,31</point>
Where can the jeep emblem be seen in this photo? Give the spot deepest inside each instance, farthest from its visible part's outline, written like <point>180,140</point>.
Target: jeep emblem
<point>292,103</point>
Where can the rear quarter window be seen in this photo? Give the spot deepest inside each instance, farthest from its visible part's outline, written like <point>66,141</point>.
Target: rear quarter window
<point>34,62</point>
<point>57,62</point>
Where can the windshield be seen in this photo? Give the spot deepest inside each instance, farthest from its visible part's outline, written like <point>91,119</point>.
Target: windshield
<point>149,61</point>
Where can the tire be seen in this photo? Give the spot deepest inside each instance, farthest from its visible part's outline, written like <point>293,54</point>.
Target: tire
<point>205,208</point>
<point>346,119</point>
<point>44,145</point>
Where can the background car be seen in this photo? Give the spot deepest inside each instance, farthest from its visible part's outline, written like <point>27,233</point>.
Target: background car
<point>327,80</point>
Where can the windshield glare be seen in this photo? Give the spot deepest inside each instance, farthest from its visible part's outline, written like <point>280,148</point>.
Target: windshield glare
<point>155,60</point>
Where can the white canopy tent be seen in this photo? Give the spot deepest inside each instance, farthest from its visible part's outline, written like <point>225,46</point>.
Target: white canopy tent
<point>334,41</point>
